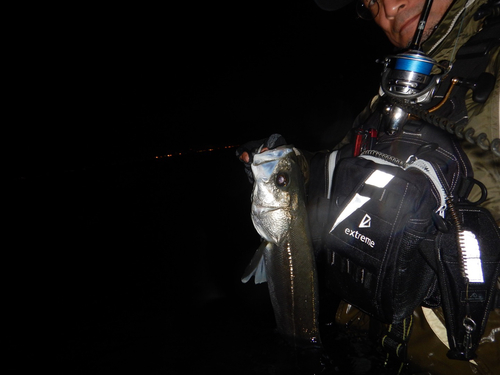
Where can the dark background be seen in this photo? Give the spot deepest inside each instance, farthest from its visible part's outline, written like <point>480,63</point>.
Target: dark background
<point>118,258</point>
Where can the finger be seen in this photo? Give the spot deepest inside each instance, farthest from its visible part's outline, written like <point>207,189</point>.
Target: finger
<point>244,157</point>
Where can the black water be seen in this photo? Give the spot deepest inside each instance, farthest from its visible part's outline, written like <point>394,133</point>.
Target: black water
<point>135,268</point>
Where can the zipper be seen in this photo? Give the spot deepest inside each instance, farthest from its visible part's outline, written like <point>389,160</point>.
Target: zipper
<point>392,160</point>
<point>412,162</point>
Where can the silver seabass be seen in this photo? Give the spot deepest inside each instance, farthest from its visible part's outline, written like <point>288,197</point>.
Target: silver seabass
<point>285,259</point>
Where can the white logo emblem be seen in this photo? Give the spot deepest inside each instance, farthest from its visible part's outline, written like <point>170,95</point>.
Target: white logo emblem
<point>366,222</point>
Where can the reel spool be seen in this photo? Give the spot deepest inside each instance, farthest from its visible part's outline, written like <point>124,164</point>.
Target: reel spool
<point>407,76</point>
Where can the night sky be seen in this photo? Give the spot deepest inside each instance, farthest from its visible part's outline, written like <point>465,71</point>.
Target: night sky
<point>96,84</point>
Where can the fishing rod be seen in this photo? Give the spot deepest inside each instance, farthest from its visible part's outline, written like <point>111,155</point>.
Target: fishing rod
<point>422,22</point>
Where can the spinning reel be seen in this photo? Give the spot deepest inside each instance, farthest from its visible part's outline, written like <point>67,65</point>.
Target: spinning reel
<point>407,77</point>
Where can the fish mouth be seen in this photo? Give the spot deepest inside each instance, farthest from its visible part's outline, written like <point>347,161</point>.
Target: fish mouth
<point>271,156</point>
<point>259,210</point>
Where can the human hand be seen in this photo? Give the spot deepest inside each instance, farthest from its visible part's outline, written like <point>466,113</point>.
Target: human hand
<point>247,151</point>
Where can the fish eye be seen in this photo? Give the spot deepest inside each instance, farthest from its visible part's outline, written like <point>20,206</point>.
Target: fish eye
<point>282,179</point>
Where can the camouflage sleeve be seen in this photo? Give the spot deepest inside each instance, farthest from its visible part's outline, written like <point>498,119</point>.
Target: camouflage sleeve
<point>485,119</point>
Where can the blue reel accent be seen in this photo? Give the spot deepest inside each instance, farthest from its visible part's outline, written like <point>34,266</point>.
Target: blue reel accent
<point>411,65</point>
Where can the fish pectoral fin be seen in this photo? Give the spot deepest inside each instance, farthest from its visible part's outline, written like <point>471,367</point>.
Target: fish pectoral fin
<point>260,272</point>
<point>257,266</point>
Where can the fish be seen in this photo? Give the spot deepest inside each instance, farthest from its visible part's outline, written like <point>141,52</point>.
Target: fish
<point>285,258</point>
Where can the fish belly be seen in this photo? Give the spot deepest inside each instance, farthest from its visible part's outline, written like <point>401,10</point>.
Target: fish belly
<point>292,283</point>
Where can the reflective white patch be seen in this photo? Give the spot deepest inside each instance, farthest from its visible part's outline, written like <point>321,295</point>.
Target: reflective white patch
<point>472,257</point>
<point>356,202</point>
<point>379,179</point>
